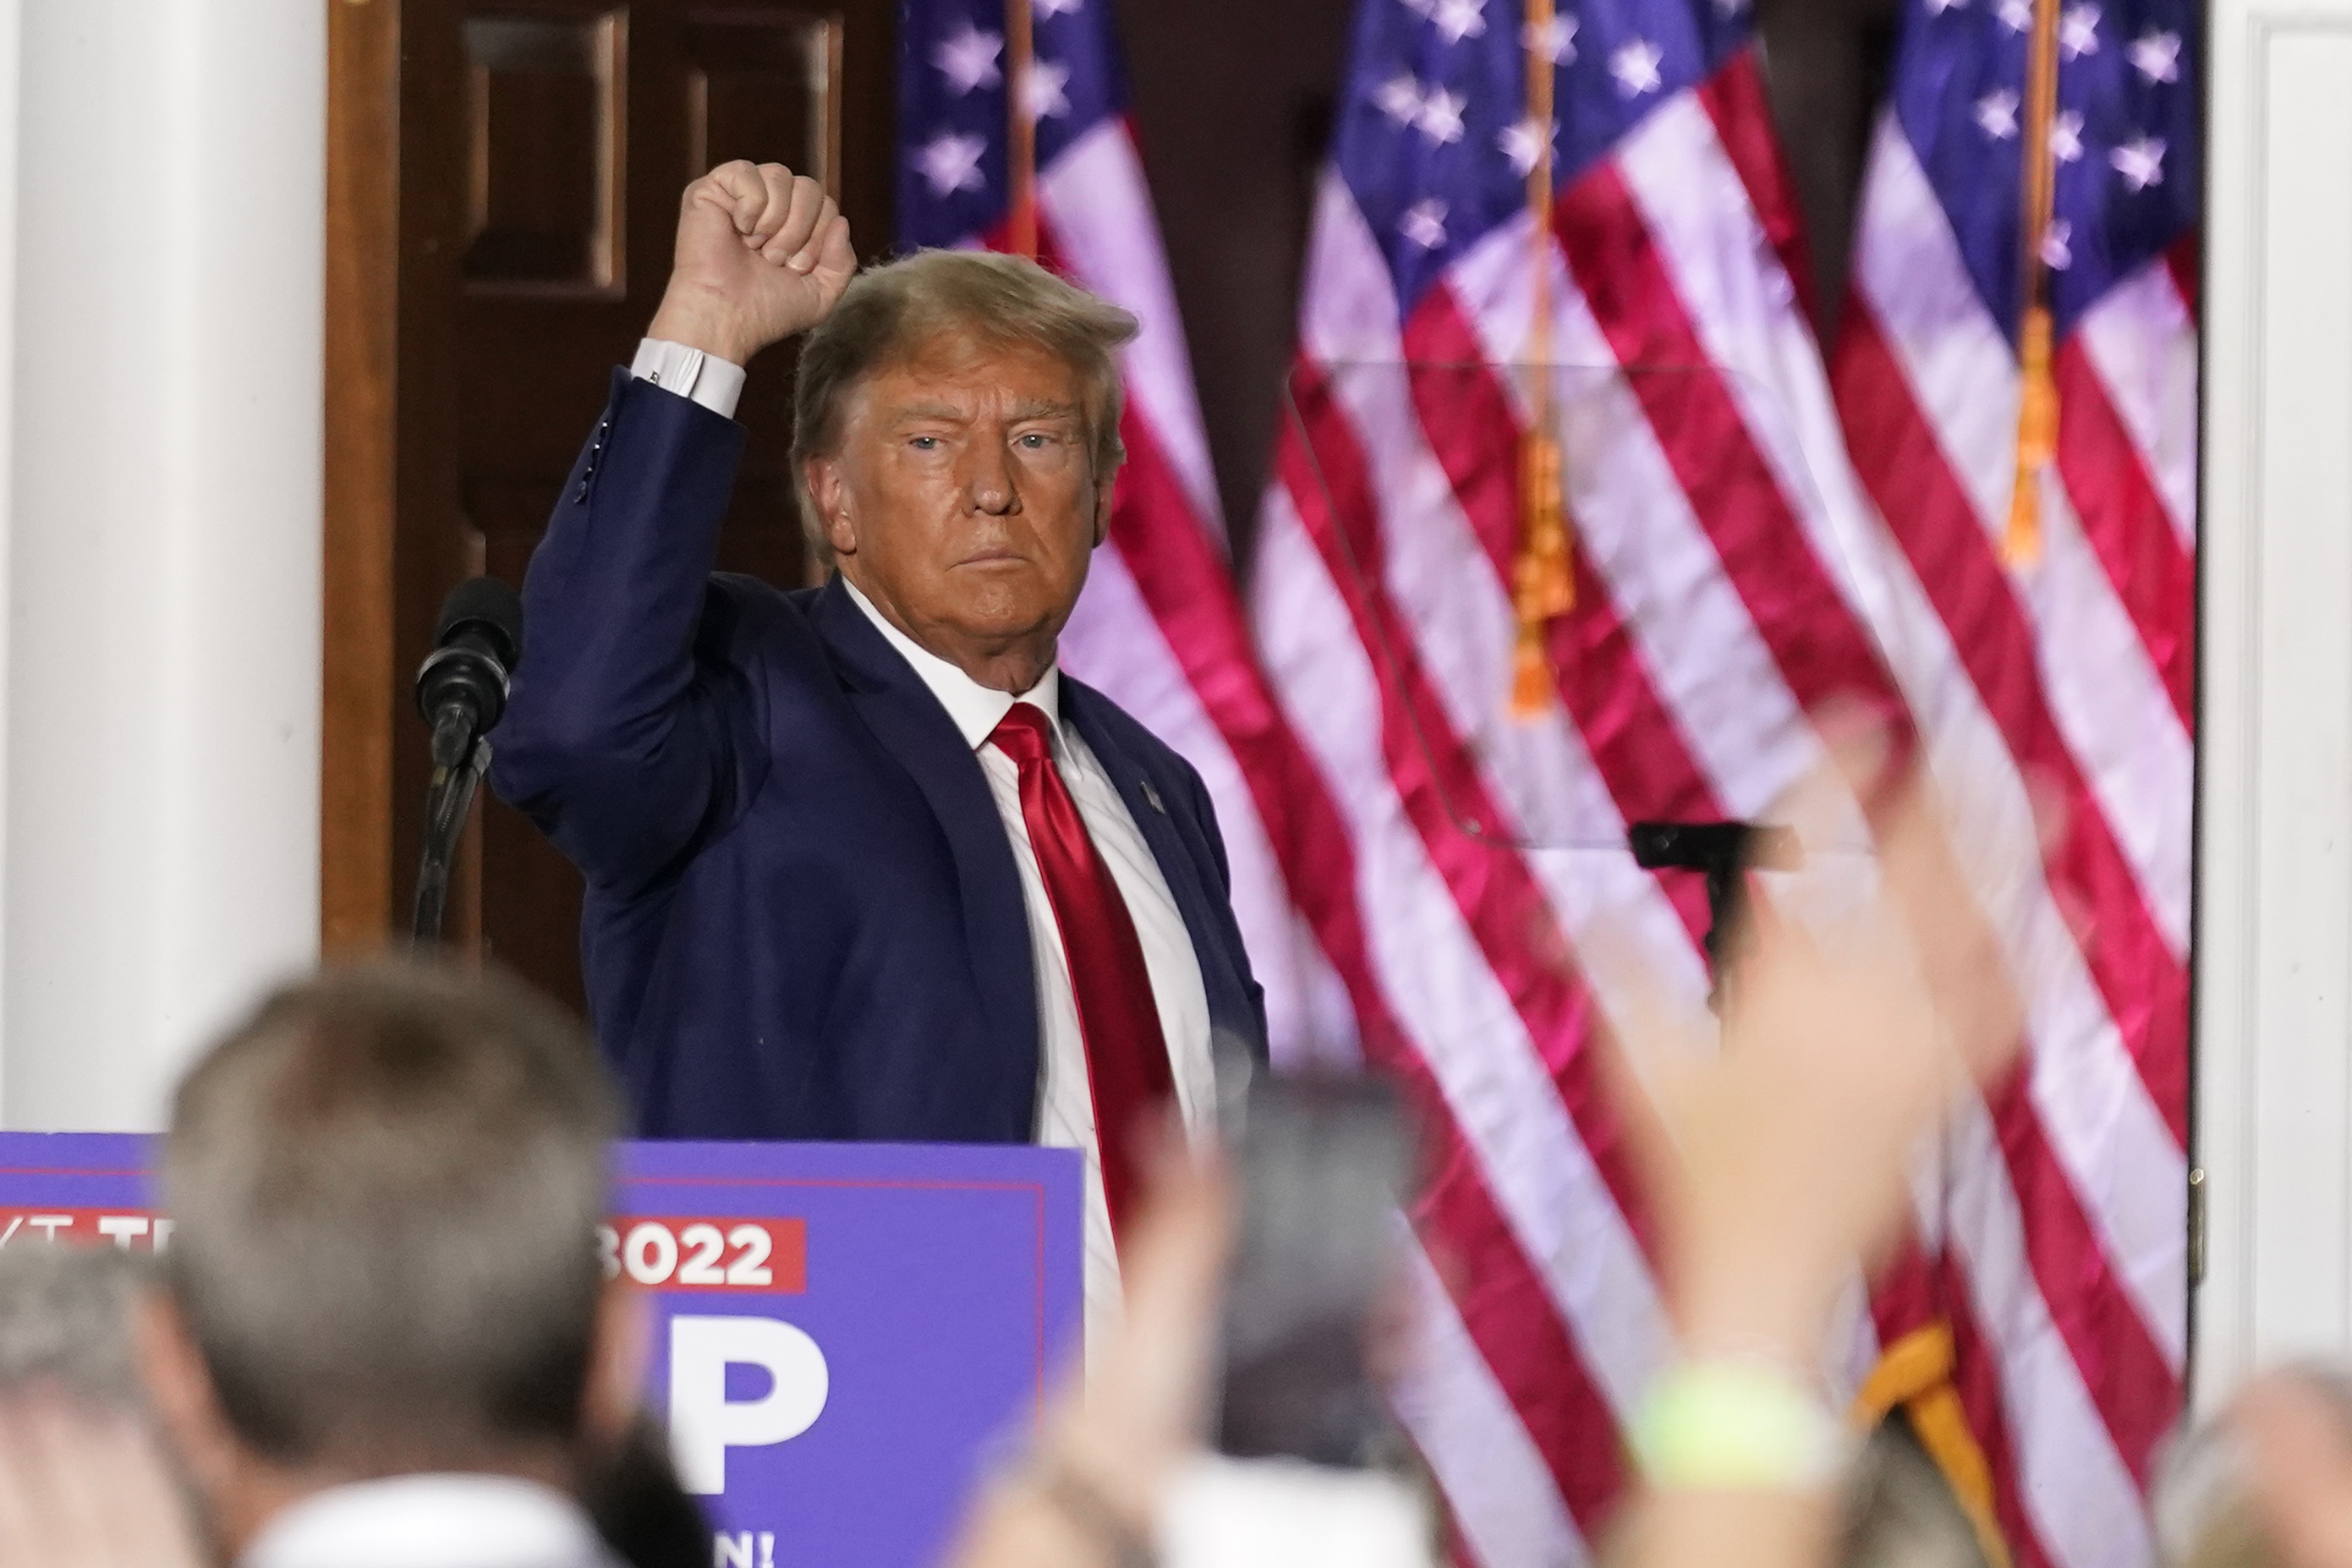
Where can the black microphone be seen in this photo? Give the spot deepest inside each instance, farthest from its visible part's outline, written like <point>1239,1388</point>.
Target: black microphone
<point>461,688</point>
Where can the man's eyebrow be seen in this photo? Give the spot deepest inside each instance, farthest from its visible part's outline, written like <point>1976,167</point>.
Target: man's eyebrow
<point>940,411</point>
<point>1044,409</point>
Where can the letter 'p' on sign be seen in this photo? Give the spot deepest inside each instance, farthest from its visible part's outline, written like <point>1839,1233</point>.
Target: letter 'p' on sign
<point>704,1423</point>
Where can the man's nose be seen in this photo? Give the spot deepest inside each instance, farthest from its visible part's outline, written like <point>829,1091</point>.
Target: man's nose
<point>988,484</point>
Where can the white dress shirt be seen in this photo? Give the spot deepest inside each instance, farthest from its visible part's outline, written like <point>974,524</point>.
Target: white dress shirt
<point>1065,1112</point>
<point>431,1522</point>
<point>1066,1117</point>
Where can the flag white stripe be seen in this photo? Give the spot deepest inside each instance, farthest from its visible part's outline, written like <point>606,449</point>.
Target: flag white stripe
<point>2143,343</point>
<point>2115,718</point>
<point>1442,992</point>
<point>1094,200</point>
<point>1744,308</point>
<point>2083,1504</point>
<point>1502,1496</point>
<point>1634,524</point>
<point>2087,1094</point>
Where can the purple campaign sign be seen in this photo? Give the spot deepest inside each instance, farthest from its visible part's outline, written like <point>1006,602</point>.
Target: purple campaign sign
<point>841,1332</point>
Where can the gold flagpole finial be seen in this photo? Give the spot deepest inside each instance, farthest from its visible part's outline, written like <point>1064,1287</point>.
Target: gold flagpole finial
<point>1543,585</point>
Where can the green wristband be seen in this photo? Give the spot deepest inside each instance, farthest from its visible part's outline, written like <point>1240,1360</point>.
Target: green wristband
<point>1736,1425</point>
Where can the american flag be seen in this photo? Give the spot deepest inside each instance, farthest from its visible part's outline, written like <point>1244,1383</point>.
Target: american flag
<point>1161,627</point>
<point>2064,1265</point>
<point>1732,570</point>
<point>1428,874</point>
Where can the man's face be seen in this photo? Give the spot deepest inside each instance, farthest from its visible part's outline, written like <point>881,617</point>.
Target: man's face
<point>962,498</point>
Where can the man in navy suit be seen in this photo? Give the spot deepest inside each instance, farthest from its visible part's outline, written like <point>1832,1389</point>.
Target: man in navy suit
<point>861,862</point>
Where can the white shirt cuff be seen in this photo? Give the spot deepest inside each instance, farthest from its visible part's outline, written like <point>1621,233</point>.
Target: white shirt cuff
<point>714,383</point>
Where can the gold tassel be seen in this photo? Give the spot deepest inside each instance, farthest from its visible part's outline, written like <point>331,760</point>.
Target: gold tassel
<point>1916,1373</point>
<point>1544,584</point>
<point>2037,439</point>
<point>1530,675</point>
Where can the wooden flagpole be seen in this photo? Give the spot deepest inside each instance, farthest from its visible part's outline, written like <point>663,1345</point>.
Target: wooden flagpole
<point>1543,582</point>
<point>1020,132</point>
<point>2037,404</point>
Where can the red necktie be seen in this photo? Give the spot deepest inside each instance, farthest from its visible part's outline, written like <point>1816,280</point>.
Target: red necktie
<point>1127,1055</point>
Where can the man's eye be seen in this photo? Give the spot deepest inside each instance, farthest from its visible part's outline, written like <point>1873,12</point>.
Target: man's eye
<point>1035,440</point>
<point>924,443</point>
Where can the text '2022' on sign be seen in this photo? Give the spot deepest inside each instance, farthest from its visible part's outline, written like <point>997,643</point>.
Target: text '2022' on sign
<point>671,1253</point>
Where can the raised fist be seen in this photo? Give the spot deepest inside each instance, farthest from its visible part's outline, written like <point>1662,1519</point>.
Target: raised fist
<point>762,253</point>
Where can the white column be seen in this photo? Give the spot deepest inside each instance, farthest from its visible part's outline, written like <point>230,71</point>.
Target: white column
<point>163,626</point>
<point>2274,967</point>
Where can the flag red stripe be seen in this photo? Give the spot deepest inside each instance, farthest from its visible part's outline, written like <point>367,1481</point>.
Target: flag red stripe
<point>2093,1314</point>
<point>1735,101</point>
<point>2154,576</point>
<point>1604,685</point>
<point>1821,650</point>
<point>2144,986</point>
<point>1976,1378</point>
<point>1503,906</point>
<point>2129,1380</point>
<point>2184,259</point>
<point>1504,1305</point>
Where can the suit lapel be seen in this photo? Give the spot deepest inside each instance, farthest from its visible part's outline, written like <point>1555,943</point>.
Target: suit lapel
<point>1179,864</point>
<point>911,725</point>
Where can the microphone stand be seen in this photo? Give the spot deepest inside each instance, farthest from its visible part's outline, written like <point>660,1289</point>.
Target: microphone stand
<point>1724,851</point>
<point>460,758</point>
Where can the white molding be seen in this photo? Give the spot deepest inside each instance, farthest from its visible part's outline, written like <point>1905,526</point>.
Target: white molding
<point>162,631</point>
<point>2275,944</point>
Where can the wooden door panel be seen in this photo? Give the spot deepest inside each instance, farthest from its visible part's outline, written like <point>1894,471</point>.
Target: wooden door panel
<point>545,147</point>
<point>546,153</point>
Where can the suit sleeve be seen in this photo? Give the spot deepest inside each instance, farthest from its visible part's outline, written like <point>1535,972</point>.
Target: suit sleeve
<point>1205,806</point>
<point>633,728</point>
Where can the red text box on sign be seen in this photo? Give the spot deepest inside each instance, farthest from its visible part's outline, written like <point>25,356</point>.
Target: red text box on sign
<point>124,1228</point>
<point>707,1253</point>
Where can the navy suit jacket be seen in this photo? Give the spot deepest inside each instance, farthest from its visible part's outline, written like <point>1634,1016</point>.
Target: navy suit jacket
<point>804,919</point>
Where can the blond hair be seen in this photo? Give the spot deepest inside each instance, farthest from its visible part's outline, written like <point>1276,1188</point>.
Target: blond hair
<point>889,313</point>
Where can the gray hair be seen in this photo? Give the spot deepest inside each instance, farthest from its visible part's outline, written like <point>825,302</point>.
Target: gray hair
<point>386,1185</point>
<point>65,1321</point>
<point>1898,1511</point>
<point>2202,1496</point>
<point>889,312</point>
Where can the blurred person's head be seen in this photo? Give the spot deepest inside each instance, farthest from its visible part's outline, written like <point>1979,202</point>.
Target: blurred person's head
<point>385,1186</point>
<point>2206,1501</point>
<point>956,435</point>
<point>1898,1511</point>
<point>66,1323</point>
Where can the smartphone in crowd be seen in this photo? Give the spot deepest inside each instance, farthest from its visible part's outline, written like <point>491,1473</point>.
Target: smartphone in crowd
<point>1322,1163</point>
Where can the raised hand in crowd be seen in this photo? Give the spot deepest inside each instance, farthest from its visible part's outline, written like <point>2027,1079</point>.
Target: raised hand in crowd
<point>1779,1158</point>
<point>1091,1491</point>
<point>84,1487</point>
<point>762,253</point>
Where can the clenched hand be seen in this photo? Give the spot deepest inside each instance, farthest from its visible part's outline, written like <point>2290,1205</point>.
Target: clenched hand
<point>762,253</point>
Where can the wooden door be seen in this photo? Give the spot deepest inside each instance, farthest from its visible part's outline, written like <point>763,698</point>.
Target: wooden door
<point>536,150</point>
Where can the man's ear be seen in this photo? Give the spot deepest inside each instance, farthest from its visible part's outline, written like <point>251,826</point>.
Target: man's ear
<point>616,1364</point>
<point>823,475</point>
<point>180,1386</point>
<point>1106,493</point>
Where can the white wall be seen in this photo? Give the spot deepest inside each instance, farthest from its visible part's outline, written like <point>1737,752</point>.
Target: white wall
<point>2275,970</point>
<point>158,837</point>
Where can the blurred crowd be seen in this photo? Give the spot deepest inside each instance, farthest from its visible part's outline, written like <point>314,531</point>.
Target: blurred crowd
<point>382,1337</point>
